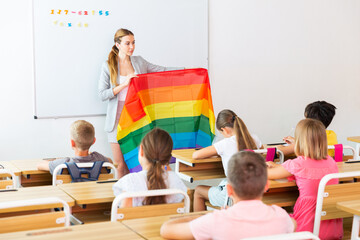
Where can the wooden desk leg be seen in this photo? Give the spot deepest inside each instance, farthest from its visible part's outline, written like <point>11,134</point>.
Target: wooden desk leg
<point>18,180</point>
<point>357,151</point>
<point>355,228</point>
<point>75,220</point>
<point>181,175</point>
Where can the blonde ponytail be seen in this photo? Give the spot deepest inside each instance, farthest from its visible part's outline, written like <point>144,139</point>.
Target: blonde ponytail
<point>227,118</point>
<point>243,137</point>
<point>113,65</point>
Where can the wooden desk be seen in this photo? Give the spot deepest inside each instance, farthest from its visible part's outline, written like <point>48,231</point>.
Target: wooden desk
<point>352,207</point>
<point>190,169</point>
<point>104,230</point>
<point>357,149</point>
<point>281,183</point>
<point>35,192</point>
<point>30,175</point>
<point>348,167</point>
<point>8,165</point>
<point>89,192</point>
<point>149,228</point>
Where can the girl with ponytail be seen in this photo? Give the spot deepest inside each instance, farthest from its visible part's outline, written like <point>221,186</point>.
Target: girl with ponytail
<point>116,74</point>
<point>154,155</point>
<point>237,138</point>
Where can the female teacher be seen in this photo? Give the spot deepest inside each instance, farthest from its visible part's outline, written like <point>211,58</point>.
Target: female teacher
<point>116,74</point>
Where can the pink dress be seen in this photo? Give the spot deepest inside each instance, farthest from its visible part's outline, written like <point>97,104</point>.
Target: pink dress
<point>308,173</point>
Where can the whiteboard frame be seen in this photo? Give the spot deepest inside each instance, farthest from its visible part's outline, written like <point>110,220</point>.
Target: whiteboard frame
<point>35,111</point>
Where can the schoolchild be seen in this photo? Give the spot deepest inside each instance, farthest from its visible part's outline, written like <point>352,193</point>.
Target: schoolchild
<point>310,166</point>
<point>237,137</point>
<point>82,136</point>
<point>154,156</point>
<point>248,217</point>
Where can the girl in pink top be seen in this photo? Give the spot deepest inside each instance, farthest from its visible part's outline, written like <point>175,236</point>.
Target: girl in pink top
<point>312,164</point>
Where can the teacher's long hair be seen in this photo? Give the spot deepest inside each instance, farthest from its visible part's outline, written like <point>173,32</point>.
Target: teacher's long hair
<point>113,55</point>
<point>157,146</point>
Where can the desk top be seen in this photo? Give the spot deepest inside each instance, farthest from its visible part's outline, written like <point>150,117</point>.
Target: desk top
<point>28,166</point>
<point>103,230</point>
<point>149,228</point>
<point>8,165</point>
<point>354,139</point>
<point>89,192</point>
<point>35,192</point>
<point>348,167</point>
<point>281,183</point>
<point>186,155</point>
<point>352,207</point>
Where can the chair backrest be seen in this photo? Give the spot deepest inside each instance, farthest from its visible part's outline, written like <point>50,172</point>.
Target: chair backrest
<point>148,210</point>
<point>329,195</point>
<point>6,183</point>
<point>339,150</point>
<point>66,178</point>
<point>34,221</point>
<point>287,236</point>
<point>270,154</point>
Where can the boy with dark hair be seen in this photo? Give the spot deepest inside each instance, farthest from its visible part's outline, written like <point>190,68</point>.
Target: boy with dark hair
<point>82,134</point>
<point>248,217</point>
<point>319,110</point>
<point>322,111</point>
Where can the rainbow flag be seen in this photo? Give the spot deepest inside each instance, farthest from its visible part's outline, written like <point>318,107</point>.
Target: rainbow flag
<point>176,101</point>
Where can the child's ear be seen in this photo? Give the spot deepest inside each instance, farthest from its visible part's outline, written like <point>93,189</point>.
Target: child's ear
<point>266,188</point>
<point>141,152</point>
<point>94,140</point>
<point>226,131</point>
<point>230,190</point>
<point>72,143</point>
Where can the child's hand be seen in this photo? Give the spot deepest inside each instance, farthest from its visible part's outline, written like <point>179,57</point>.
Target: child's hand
<point>289,139</point>
<point>270,164</point>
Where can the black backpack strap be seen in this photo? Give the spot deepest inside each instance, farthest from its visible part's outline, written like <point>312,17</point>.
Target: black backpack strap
<point>76,172</point>
<point>95,170</point>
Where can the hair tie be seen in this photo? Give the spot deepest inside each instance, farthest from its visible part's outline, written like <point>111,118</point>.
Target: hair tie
<point>233,118</point>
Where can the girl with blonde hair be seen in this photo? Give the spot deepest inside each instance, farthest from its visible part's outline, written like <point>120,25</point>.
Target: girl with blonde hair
<point>310,166</point>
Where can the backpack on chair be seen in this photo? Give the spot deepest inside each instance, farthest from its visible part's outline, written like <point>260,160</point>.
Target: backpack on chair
<point>92,172</point>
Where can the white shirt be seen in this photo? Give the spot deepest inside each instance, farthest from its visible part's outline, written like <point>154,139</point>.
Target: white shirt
<point>137,182</point>
<point>228,147</point>
<point>122,94</point>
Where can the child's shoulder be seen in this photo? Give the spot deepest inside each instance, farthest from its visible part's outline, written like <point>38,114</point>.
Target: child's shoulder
<point>131,181</point>
<point>134,177</point>
<point>175,181</point>
<point>95,156</point>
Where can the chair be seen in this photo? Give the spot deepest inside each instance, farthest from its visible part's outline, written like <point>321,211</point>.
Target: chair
<point>148,210</point>
<point>339,150</point>
<point>66,178</point>
<point>6,183</point>
<point>329,195</point>
<point>287,236</point>
<point>33,221</point>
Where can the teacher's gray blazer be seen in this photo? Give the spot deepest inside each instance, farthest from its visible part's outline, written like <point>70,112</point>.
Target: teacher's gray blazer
<point>106,93</point>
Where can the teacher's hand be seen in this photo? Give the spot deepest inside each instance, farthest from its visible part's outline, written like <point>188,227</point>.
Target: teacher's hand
<point>129,77</point>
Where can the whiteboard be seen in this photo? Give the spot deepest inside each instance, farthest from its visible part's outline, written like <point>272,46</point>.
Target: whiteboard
<point>72,38</point>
